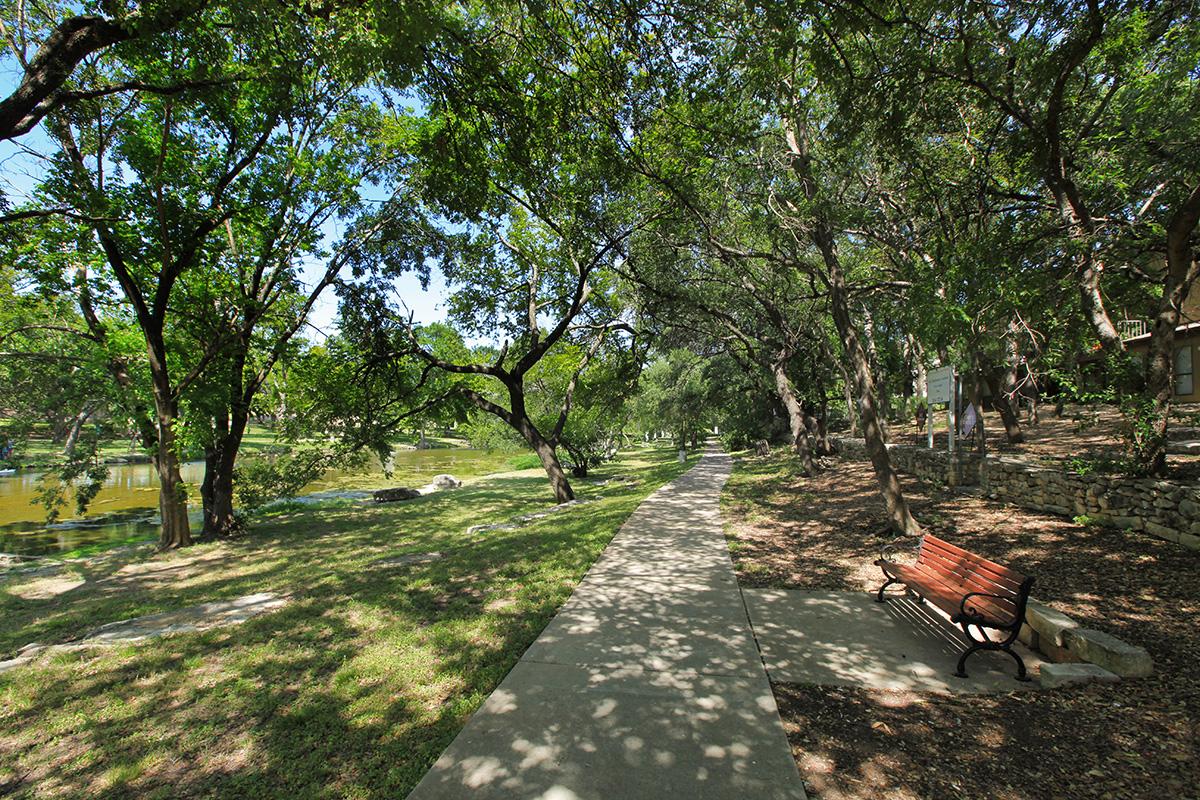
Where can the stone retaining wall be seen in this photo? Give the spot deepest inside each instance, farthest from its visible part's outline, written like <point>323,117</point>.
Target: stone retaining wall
<point>926,464</point>
<point>1165,509</point>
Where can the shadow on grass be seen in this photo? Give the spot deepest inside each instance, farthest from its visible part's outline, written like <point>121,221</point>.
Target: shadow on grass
<point>353,689</point>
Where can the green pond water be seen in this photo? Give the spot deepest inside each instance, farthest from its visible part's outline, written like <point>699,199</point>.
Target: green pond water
<point>127,506</point>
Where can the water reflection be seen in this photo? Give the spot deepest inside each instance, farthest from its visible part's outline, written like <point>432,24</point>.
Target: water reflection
<point>127,505</point>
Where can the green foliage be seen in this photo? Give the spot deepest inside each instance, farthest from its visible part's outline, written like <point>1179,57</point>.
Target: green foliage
<point>1139,415</point>
<point>674,397</point>
<point>78,477</point>
<point>486,432</point>
<point>527,461</point>
<point>261,479</point>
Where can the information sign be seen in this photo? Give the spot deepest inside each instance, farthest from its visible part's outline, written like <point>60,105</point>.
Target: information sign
<point>940,384</point>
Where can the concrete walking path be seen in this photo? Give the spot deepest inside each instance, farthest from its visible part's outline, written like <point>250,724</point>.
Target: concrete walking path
<point>847,639</point>
<point>648,683</point>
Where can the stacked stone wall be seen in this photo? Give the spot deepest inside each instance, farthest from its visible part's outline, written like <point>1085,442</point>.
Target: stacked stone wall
<point>1167,509</point>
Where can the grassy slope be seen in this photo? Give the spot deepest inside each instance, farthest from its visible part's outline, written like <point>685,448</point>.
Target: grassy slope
<point>352,690</point>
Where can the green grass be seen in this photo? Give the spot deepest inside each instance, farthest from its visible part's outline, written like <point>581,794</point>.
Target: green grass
<point>350,691</point>
<point>525,461</point>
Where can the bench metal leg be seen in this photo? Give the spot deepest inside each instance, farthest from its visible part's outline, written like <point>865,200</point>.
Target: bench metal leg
<point>1021,674</point>
<point>961,672</point>
<point>988,644</point>
<point>879,594</point>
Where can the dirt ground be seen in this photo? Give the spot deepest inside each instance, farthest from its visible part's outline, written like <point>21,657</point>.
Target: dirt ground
<point>1134,739</point>
<point>1089,433</point>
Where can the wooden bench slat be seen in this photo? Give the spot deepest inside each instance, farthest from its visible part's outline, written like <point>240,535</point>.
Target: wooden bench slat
<point>998,571</point>
<point>966,572</point>
<point>948,596</point>
<point>974,591</point>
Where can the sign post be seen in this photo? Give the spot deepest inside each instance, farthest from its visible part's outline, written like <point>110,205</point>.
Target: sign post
<point>953,413</point>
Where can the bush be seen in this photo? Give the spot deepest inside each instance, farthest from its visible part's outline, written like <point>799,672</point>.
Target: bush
<point>258,480</point>
<point>525,461</point>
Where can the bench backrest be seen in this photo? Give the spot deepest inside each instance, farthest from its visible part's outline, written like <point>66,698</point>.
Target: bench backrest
<point>976,573</point>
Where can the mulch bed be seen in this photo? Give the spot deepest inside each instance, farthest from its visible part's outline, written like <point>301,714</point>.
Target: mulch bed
<point>1089,434</point>
<point>1134,739</point>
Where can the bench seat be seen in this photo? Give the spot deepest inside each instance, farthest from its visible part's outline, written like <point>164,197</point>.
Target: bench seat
<point>973,591</point>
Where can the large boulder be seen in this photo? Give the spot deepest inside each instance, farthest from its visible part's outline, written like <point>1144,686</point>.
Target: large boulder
<point>398,493</point>
<point>445,482</point>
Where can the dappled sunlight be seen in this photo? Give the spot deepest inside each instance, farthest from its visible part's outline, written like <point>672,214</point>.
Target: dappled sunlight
<point>646,683</point>
<point>355,687</point>
<point>607,733</point>
<point>847,639</point>
<point>863,743</point>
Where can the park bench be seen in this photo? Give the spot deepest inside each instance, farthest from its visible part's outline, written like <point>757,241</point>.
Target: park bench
<point>975,592</point>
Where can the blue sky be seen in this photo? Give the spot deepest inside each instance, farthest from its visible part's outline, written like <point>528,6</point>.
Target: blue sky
<point>20,171</point>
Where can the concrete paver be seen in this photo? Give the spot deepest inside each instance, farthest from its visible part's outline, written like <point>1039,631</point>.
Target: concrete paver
<point>847,639</point>
<point>648,683</point>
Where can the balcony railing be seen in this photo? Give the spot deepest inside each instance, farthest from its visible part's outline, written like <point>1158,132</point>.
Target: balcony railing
<point>1133,328</point>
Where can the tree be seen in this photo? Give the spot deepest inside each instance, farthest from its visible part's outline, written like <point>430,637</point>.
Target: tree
<point>65,39</point>
<point>527,183</point>
<point>777,118</point>
<point>674,396</point>
<point>1097,121</point>
<point>598,409</point>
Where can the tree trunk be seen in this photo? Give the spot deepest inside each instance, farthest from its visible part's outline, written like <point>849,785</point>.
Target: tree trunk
<point>882,393</point>
<point>76,428</point>
<point>851,406</point>
<point>217,490</point>
<point>1012,423</point>
<point>900,518</point>
<point>172,495</point>
<point>817,428</point>
<point>1182,272</point>
<point>549,458</point>
<point>800,439</point>
<point>518,419</point>
<point>1008,402</point>
<point>208,483</point>
<point>980,433</point>
<point>219,518</point>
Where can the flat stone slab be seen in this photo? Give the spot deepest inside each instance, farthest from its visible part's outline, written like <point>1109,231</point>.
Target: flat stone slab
<point>1109,652</point>
<point>847,639</point>
<point>218,614</point>
<point>1049,622</point>
<point>1056,675</point>
<point>46,587</point>
<point>560,732</point>
<point>407,559</point>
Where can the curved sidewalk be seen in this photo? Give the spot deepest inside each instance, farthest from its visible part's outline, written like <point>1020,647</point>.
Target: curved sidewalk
<point>647,684</point>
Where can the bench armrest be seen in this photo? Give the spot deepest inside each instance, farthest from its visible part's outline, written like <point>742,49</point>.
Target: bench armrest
<point>965,611</point>
<point>898,544</point>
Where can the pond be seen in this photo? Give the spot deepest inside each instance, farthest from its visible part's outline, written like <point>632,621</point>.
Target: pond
<point>127,506</point>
